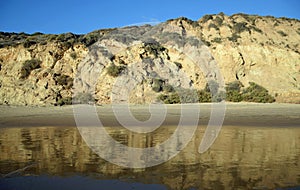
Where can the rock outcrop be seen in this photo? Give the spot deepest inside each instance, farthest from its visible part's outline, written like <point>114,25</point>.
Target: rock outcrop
<point>137,63</point>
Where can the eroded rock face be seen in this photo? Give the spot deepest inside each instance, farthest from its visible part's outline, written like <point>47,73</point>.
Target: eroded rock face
<point>264,50</point>
<point>150,60</point>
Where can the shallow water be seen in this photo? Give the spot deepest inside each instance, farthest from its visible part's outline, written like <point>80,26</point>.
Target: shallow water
<point>240,158</point>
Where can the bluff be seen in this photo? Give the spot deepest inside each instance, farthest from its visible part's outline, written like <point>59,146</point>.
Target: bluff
<point>140,63</point>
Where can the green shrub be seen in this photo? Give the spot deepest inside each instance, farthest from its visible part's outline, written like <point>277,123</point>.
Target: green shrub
<point>282,33</point>
<point>73,55</point>
<point>234,37</point>
<point>257,93</point>
<point>234,86</point>
<point>256,29</point>
<point>188,95</point>
<point>173,99</point>
<point>180,96</point>
<point>162,97</point>
<point>170,98</point>
<point>64,80</point>
<point>37,34</point>
<point>168,88</point>
<point>28,43</point>
<point>152,49</point>
<point>156,88</point>
<point>211,92</point>
<point>64,101</point>
<point>212,25</point>
<point>206,18</point>
<point>83,98</point>
<point>89,39</point>
<point>233,96</point>
<point>219,96</point>
<point>66,37</point>
<point>219,21</point>
<point>157,84</point>
<point>254,93</point>
<point>240,27</point>
<point>114,70</point>
<point>222,14</point>
<point>212,86</point>
<point>28,66</point>
<point>217,40</point>
<point>51,37</point>
<point>204,96</point>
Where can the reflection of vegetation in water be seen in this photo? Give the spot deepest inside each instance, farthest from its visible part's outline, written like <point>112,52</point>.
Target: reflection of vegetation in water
<point>239,158</point>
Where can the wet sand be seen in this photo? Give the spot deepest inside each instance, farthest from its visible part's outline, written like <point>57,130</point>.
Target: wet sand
<point>236,114</point>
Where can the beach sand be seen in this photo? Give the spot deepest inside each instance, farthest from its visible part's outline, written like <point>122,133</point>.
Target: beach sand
<point>236,114</point>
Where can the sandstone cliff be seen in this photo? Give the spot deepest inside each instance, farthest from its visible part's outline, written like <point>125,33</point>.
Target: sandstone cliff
<point>140,62</point>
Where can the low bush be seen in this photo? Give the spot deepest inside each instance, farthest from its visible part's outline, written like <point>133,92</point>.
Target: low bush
<point>206,18</point>
<point>282,33</point>
<point>180,96</point>
<point>79,98</point>
<point>257,93</point>
<point>64,80</point>
<point>114,70</point>
<point>157,84</point>
<point>89,39</point>
<point>168,88</point>
<point>64,101</point>
<point>28,43</point>
<point>211,25</point>
<point>212,86</point>
<point>234,86</point>
<point>256,29</point>
<point>234,37</point>
<point>233,96</point>
<point>73,55</point>
<point>219,21</point>
<point>212,93</point>
<point>170,98</point>
<point>217,40</point>
<point>240,27</point>
<point>233,91</point>
<point>204,96</point>
<point>28,66</point>
<point>188,95</point>
<point>219,96</point>
<point>83,98</point>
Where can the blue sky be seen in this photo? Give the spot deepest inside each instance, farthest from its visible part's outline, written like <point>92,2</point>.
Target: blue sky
<point>85,16</point>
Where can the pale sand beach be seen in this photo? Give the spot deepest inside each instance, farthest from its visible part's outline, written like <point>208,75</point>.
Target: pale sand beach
<point>236,114</point>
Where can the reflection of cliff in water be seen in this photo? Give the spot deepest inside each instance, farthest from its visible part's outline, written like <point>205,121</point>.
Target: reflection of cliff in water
<point>240,157</point>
